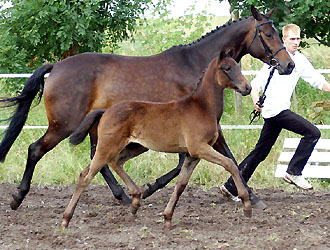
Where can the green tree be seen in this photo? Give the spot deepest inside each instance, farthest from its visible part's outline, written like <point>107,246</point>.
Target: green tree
<point>33,32</point>
<point>312,15</point>
<point>159,31</point>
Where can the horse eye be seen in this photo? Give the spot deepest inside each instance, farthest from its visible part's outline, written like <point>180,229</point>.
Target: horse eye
<point>268,35</point>
<point>227,68</point>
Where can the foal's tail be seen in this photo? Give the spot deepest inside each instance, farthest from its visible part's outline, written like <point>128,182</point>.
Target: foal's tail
<point>82,131</point>
<point>24,100</point>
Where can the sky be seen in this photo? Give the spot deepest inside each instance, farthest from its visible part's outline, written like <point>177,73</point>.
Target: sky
<point>210,6</point>
<point>213,7</point>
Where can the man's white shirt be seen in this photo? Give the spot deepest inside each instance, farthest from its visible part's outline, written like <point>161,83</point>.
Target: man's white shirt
<point>281,87</point>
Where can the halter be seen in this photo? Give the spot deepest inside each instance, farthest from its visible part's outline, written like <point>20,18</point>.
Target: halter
<point>272,61</point>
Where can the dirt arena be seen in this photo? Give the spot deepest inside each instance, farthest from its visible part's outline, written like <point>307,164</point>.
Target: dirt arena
<point>202,220</point>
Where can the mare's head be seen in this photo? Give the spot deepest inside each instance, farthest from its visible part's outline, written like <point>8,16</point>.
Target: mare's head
<point>229,74</point>
<point>265,43</point>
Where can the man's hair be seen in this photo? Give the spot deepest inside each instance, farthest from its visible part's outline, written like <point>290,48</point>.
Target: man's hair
<point>290,28</point>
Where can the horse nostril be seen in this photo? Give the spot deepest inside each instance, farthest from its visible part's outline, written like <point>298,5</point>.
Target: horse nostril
<point>290,66</point>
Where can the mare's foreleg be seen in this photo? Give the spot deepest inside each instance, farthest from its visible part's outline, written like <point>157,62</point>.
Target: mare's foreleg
<point>35,152</point>
<point>165,179</point>
<point>221,146</point>
<point>185,174</point>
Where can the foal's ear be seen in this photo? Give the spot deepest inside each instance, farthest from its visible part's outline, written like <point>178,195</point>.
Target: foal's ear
<point>226,53</point>
<point>271,12</point>
<point>255,13</point>
<point>230,53</point>
<point>222,55</point>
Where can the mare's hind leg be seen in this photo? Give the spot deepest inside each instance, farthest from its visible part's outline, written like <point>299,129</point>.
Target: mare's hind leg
<point>35,152</point>
<point>185,173</point>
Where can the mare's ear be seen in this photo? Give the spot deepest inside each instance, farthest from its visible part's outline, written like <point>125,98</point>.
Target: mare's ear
<point>271,12</point>
<point>255,13</point>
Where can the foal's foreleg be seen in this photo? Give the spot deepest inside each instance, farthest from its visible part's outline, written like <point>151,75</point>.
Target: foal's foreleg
<point>184,176</point>
<point>221,146</point>
<point>206,152</point>
<point>165,179</point>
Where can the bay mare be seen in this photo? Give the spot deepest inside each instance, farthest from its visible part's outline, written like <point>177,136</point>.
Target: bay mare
<point>188,125</point>
<point>89,81</point>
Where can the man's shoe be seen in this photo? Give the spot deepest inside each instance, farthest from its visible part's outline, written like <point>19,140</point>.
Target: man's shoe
<point>298,180</point>
<point>228,194</point>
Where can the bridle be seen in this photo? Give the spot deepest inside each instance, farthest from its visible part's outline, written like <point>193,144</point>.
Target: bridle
<point>272,61</point>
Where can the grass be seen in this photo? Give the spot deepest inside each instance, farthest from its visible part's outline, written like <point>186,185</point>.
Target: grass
<point>64,163</point>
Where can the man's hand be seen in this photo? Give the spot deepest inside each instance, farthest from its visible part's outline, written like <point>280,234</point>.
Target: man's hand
<point>258,106</point>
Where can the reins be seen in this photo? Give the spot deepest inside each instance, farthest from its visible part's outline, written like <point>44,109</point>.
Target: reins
<point>273,64</point>
<point>256,114</point>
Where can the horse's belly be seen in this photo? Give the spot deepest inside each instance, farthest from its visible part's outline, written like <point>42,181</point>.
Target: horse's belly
<point>157,144</point>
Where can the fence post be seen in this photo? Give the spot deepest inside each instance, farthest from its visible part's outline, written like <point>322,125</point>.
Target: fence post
<point>237,96</point>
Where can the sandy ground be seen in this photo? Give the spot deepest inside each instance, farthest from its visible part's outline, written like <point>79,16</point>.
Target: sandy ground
<point>202,220</point>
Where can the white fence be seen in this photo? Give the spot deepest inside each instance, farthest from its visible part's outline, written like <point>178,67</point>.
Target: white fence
<point>245,72</point>
<point>249,72</point>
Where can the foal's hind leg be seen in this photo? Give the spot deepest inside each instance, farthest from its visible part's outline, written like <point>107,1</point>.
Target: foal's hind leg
<point>184,176</point>
<point>35,152</point>
<point>85,178</point>
<point>114,186</point>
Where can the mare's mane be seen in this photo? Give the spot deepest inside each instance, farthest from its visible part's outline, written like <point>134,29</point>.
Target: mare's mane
<point>217,29</point>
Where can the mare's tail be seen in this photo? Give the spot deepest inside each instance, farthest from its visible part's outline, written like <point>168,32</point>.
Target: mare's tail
<point>81,132</point>
<point>32,87</point>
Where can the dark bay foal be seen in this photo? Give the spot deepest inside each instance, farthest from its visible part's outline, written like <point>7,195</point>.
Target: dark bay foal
<point>188,125</point>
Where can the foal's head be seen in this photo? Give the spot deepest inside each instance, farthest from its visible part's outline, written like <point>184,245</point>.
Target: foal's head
<point>229,74</point>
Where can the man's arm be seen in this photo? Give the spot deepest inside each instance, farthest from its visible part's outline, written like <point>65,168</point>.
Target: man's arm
<point>255,98</point>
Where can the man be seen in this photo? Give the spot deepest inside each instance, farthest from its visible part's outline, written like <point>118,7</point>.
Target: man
<point>278,116</point>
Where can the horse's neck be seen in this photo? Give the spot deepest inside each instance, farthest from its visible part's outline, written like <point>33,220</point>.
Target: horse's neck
<point>209,94</point>
<point>229,36</point>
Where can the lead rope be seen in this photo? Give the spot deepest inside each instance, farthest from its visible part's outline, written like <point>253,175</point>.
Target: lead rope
<point>256,114</point>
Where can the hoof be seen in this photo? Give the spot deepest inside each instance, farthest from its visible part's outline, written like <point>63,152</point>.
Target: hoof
<point>168,225</point>
<point>134,210</point>
<point>259,205</point>
<point>147,192</point>
<point>14,204</point>
<point>248,213</point>
<point>64,224</point>
<point>126,201</point>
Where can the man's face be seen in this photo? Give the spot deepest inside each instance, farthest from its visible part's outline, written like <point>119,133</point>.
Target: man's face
<point>292,41</point>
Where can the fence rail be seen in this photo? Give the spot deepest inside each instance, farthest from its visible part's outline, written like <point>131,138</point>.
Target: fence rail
<point>245,72</point>
<point>222,126</point>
